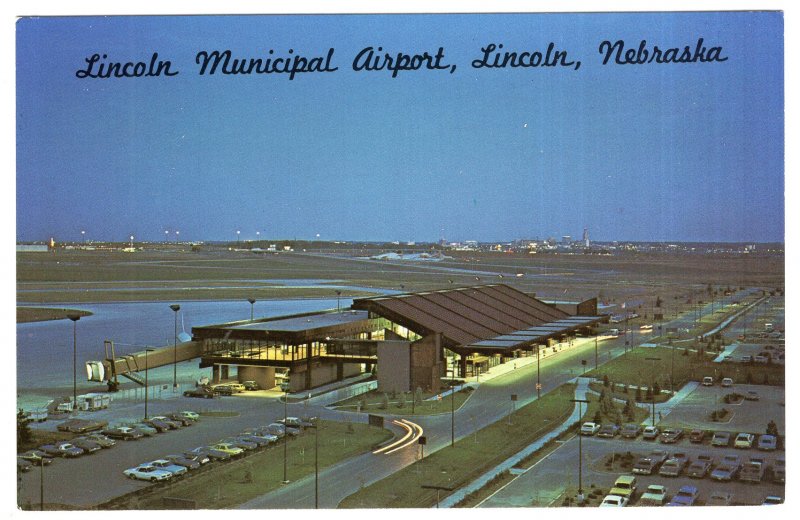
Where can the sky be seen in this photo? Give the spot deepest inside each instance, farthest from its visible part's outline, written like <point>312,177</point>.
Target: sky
<point>691,152</point>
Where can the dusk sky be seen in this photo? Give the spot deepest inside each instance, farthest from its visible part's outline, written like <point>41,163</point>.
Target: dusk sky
<point>690,152</point>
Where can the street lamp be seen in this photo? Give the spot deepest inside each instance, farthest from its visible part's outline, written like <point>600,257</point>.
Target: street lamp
<point>285,386</point>
<point>252,304</point>
<point>175,308</point>
<point>652,392</point>
<point>580,448</point>
<point>177,235</point>
<point>595,351</point>
<point>237,237</point>
<point>316,463</point>
<point>166,235</point>
<point>74,317</point>
<point>338,295</point>
<point>538,374</point>
<point>146,384</point>
<point>452,414</point>
<point>83,236</point>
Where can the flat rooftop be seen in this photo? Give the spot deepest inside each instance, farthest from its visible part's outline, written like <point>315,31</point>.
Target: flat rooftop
<point>300,323</point>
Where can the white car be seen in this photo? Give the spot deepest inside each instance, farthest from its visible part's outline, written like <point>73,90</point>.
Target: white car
<point>147,472</point>
<point>589,428</point>
<point>192,416</point>
<point>744,440</point>
<point>614,501</point>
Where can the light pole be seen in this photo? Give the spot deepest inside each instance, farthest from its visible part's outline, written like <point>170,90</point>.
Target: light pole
<point>177,235</point>
<point>580,448</point>
<point>237,237</point>
<point>316,464</point>
<point>83,236</point>
<point>652,391</point>
<point>166,236</point>
<point>74,317</point>
<point>41,484</point>
<point>175,308</point>
<point>146,384</point>
<point>538,374</point>
<point>252,307</point>
<point>595,352</point>
<point>285,429</point>
<point>452,414</point>
<point>131,241</point>
<point>338,295</point>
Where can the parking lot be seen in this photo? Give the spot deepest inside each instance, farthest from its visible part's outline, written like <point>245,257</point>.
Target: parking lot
<point>748,416</point>
<point>556,473</point>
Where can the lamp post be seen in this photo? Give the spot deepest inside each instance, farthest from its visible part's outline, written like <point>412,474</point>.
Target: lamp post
<point>41,484</point>
<point>83,236</point>
<point>316,463</point>
<point>580,449</point>
<point>177,235</point>
<point>166,236</point>
<point>452,414</point>
<point>252,305</point>
<point>538,374</point>
<point>285,385</point>
<point>146,384</point>
<point>131,241</point>
<point>74,318</point>
<point>652,392</point>
<point>175,308</point>
<point>595,352</point>
<point>338,295</point>
<point>237,237</point>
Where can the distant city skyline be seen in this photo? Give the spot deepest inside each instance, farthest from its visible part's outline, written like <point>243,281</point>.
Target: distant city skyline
<point>658,152</point>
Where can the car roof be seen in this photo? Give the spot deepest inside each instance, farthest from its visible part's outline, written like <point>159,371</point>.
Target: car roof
<point>625,479</point>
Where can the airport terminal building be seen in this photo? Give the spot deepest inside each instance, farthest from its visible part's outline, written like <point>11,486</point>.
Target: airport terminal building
<point>412,340</point>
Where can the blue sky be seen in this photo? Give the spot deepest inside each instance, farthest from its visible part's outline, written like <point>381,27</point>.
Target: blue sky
<point>654,152</point>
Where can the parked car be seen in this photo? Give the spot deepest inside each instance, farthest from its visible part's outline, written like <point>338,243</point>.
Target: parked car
<point>674,466</point>
<point>69,450</point>
<point>751,395</point>
<point>23,465</point>
<point>772,500</point>
<point>172,423</point>
<point>722,439</point>
<point>210,452</point>
<point>180,460</point>
<point>296,422</point>
<point>631,430</point>
<point>223,390</point>
<point>199,457</point>
<point>228,448</point>
<point>251,386</point>
<point>241,443</point>
<point>671,435</point>
<point>650,433</point>
<point>624,486</point>
<point>147,431</point>
<point>200,391</point>
<point>145,472</point>
<point>81,425</point>
<point>686,496</point>
<point>727,469</point>
<point>614,501</point>
<point>649,463</point>
<point>708,381</point>
<point>654,495</point>
<point>719,498</point>
<point>589,428</point>
<point>753,470</point>
<point>257,439</point>
<point>192,416</point>
<point>697,436</point>
<point>700,467</point>
<point>608,431</point>
<point>744,440</point>
<point>167,465</point>
<point>88,446</point>
<point>280,430</point>
<point>50,450</point>
<point>767,443</point>
<point>761,359</point>
<point>101,439</point>
<point>779,470</point>
<point>178,418</point>
<point>36,457</point>
<point>124,433</point>
<point>727,382</point>
<point>159,426</point>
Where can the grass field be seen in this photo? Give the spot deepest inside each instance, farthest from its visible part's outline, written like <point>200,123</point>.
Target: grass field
<point>73,275</point>
<point>374,399</point>
<point>634,369</point>
<point>229,484</point>
<point>469,458</point>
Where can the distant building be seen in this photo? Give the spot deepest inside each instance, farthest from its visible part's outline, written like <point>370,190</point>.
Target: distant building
<point>566,239</point>
<point>586,237</point>
<point>32,248</point>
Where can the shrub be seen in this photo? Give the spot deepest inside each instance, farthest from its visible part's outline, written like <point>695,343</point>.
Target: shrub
<point>384,402</point>
<point>606,381</point>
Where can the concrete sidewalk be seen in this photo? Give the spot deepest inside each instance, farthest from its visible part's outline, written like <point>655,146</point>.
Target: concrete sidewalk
<point>581,390</point>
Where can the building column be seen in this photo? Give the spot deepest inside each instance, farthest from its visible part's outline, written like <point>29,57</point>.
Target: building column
<point>462,364</point>
<point>339,370</point>
<point>215,373</point>
<point>224,369</point>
